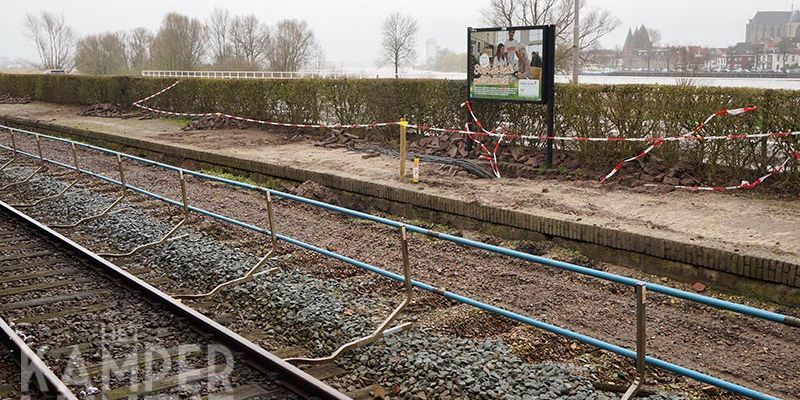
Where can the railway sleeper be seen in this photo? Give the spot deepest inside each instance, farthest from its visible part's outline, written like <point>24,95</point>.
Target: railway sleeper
<point>49,262</point>
<point>54,299</point>
<point>90,309</point>
<point>41,287</point>
<point>40,274</point>
<point>164,384</point>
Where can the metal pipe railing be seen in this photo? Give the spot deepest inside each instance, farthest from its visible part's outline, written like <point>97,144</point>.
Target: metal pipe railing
<point>252,272</point>
<point>32,174</point>
<point>62,192</point>
<point>383,329</point>
<point>732,387</point>
<point>689,373</point>
<point>107,210</point>
<point>169,236</point>
<point>623,280</point>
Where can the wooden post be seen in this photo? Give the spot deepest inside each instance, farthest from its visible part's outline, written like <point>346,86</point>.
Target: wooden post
<point>403,148</point>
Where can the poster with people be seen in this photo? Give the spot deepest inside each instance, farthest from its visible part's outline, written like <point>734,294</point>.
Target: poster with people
<point>507,64</point>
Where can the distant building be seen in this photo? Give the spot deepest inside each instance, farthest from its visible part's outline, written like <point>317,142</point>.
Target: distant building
<point>637,40</point>
<point>431,51</point>
<point>767,25</point>
<point>601,60</point>
<point>741,56</point>
<point>637,52</point>
<point>777,55</point>
<point>716,60</point>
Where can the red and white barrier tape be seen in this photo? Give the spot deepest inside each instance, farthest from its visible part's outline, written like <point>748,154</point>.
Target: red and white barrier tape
<point>745,185</point>
<point>154,95</point>
<point>694,133</point>
<point>251,120</point>
<point>654,139</point>
<point>491,155</point>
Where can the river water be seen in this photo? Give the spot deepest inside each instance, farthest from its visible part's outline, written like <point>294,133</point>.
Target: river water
<point>763,83</point>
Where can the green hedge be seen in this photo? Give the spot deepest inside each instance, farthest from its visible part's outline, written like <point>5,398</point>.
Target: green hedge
<point>594,110</point>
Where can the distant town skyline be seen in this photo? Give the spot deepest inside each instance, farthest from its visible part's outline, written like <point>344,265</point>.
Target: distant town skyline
<point>349,31</point>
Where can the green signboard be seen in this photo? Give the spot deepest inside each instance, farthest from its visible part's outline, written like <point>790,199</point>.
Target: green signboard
<point>512,64</point>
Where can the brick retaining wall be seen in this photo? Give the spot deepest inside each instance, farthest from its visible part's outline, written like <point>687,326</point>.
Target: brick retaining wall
<point>684,261</point>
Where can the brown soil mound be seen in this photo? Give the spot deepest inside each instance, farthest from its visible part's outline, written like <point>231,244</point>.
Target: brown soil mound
<point>109,110</point>
<point>216,122</point>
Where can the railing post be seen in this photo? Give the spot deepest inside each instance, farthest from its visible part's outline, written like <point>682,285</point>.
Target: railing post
<point>121,175</point>
<point>13,143</point>
<point>75,158</point>
<point>13,151</point>
<point>403,148</point>
<point>406,263</point>
<point>271,216</point>
<point>382,330</point>
<point>169,235</point>
<point>184,198</point>
<point>63,191</point>
<point>255,270</point>
<point>641,342</point>
<point>39,149</point>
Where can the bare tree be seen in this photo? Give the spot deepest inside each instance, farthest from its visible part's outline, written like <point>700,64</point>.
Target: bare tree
<point>138,42</point>
<point>178,45</point>
<point>399,41</point>
<point>54,40</point>
<point>249,39</point>
<point>291,45</point>
<point>594,24</point>
<point>219,27</point>
<point>101,54</point>
<point>319,61</point>
<point>655,36</point>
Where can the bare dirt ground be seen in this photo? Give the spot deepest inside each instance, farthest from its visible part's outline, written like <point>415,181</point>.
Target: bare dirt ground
<point>745,350</point>
<point>749,222</point>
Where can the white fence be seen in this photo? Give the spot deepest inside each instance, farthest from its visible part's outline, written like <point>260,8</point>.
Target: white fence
<point>252,74</point>
<point>297,75</point>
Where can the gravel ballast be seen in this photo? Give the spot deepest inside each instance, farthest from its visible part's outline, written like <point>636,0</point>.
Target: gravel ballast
<point>318,314</point>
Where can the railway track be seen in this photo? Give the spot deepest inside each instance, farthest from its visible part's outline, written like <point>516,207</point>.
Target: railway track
<point>11,376</point>
<point>31,190</point>
<point>106,334</point>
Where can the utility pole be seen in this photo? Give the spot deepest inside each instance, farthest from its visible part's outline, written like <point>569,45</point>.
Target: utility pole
<point>576,41</point>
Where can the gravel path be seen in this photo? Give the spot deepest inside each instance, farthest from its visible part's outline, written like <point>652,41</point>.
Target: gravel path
<point>684,333</point>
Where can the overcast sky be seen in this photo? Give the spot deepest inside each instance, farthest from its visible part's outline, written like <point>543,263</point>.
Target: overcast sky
<point>349,30</point>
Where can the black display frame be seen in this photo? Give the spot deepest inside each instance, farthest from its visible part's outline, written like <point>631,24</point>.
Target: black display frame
<point>548,81</point>
<point>548,55</point>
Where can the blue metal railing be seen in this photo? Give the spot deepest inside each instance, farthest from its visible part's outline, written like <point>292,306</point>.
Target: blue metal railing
<point>721,304</point>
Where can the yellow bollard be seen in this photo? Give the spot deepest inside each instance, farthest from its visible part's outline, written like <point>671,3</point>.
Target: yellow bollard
<point>403,148</point>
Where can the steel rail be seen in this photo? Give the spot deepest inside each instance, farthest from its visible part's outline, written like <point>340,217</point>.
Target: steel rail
<point>30,363</point>
<point>653,287</point>
<point>260,358</point>
<point>666,365</point>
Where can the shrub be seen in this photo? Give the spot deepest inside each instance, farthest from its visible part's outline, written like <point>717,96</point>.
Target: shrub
<point>592,110</point>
